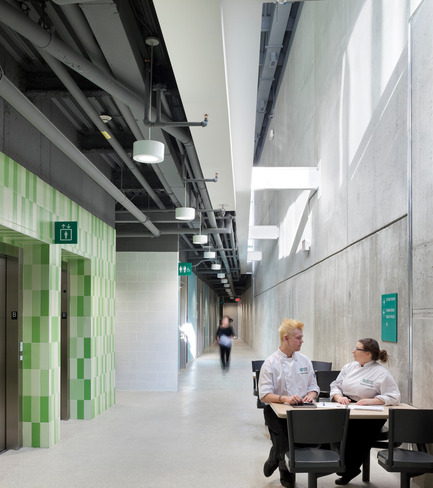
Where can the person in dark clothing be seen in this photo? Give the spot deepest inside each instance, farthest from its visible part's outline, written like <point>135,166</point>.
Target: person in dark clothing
<point>224,337</point>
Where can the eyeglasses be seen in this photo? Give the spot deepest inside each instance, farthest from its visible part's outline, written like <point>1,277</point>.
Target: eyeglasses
<point>357,349</point>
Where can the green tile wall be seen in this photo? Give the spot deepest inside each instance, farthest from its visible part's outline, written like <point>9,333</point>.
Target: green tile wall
<point>28,208</point>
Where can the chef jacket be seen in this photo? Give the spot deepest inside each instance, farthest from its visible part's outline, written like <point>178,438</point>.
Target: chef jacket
<point>369,381</point>
<point>287,376</point>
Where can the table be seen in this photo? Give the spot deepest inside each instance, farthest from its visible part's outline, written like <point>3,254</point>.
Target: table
<point>281,408</point>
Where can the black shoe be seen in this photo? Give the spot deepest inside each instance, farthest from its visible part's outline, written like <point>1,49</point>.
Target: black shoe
<point>287,479</point>
<point>269,467</point>
<point>347,477</point>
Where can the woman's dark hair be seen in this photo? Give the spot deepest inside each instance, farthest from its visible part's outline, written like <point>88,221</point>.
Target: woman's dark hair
<point>371,345</point>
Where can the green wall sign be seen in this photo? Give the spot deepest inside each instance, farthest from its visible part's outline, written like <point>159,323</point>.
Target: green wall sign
<point>184,269</point>
<point>389,317</point>
<point>65,232</point>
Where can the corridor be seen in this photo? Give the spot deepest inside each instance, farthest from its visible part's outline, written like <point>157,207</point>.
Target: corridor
<point>209,434</point>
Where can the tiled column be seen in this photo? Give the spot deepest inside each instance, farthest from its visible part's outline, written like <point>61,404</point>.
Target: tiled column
<point>41,345</point>
<point>80,345</point>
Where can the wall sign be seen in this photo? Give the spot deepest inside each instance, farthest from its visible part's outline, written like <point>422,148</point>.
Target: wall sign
<point>65,232</point>
<point>184,269</point>
<point>389,317</point>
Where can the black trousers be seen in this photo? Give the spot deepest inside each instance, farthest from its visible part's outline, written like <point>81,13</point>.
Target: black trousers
<point>225,356</point>
<point>280,441</point>
<point>361,435</point>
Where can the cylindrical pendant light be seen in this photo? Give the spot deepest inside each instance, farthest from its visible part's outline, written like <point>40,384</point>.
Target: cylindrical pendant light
<point>185,213</point>
<point>199,239</point>
<point>226,285</point>
<point>216,266</point>
<point>148,151</point>
<point>220,275</point>
<point>224,280</point>
<point>209,254</point>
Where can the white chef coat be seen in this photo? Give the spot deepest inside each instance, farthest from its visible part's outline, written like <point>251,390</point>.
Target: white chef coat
<point>287,376</point>
<point>369,381</point>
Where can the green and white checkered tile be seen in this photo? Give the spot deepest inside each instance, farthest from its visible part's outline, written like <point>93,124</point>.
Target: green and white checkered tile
<point>28,209</point>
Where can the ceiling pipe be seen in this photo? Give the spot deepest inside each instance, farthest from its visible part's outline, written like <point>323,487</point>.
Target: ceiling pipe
<point>84,103</point>
<point>79,23</point>
<point>174,230</point>
<point>22,105</point>
<point>16,20</point>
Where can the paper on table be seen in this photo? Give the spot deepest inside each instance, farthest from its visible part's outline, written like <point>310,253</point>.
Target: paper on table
<point>367,407</point>
<point>330,405</point>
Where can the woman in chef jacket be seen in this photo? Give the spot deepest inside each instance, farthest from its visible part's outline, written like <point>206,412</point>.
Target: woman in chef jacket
<point>363,382</point>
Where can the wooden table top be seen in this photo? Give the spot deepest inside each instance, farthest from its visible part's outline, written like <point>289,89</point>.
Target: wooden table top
<point>281,408</point>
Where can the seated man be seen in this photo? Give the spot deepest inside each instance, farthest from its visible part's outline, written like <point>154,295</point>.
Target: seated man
<point>287,376</point>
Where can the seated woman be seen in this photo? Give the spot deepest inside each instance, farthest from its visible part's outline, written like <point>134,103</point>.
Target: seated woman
<point>365,382</point>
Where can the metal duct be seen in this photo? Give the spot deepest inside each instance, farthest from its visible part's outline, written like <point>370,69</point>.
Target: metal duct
<point>16,20</point>
<point>80,24</point>
<point>174,230</point>
<point>81,99</point>
<point>16,99</point>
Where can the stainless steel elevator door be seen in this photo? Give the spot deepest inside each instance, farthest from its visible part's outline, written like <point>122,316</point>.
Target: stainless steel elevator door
<point>2,353</point>
<point>64,345</point>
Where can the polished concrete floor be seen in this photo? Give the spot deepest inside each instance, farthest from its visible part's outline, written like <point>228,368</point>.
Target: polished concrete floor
<point>208,434</point>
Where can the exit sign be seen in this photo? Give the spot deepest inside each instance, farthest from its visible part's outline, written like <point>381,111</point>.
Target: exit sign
<point>65,232</point>
<point>184,269</point>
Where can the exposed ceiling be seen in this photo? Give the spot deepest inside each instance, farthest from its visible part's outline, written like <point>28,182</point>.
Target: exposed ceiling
<point>211,58</point>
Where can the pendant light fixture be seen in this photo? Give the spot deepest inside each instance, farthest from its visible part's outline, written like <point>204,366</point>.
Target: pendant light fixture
<point>147,150</point>
<point>220,275</point>
<point>199,238</point>
<point>209,254</point>
<point>185,213</point>
<point>215,267</point>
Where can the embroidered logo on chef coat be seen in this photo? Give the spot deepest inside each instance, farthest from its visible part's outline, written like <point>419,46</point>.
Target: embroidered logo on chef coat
<point>365,382</point>
<point>303,370</point>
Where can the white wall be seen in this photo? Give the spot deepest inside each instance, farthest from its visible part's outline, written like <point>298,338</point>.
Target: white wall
<point>147,321</point>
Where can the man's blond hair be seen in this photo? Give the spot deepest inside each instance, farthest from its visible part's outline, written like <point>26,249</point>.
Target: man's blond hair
<point>288,326</point>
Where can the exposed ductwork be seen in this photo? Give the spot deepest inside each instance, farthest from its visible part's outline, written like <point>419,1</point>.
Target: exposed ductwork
<point>21,104</point>
<point>47,42</point>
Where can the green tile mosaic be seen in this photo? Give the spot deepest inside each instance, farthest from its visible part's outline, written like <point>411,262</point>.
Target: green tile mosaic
<point>28,208</point>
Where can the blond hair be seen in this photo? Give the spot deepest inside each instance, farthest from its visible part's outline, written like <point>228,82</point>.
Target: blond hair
<point>288,326</point>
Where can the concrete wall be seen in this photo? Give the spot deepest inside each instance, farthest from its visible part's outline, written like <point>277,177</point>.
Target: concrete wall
<point>422,158</point>
<point>343,103</point>
<point>147,321</point>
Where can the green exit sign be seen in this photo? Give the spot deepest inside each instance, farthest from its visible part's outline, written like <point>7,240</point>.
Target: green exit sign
<point>184,269</point>
<point>65,232</point>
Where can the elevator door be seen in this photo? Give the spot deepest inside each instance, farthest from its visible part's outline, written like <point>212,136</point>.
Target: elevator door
<point>9,353</point>
<point>64,345</point>
<point>2,353</point>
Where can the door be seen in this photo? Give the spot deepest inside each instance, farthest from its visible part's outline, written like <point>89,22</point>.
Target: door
<point>9,353</point>
<point>2,353</point>
<point>64,345</point>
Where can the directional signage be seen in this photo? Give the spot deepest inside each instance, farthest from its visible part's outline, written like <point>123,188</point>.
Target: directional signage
<point>389,317</point>
<point>184,269</point>
<point>65,232</point>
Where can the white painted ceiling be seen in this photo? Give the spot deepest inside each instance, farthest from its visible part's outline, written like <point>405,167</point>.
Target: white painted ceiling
<point>214,50</point>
